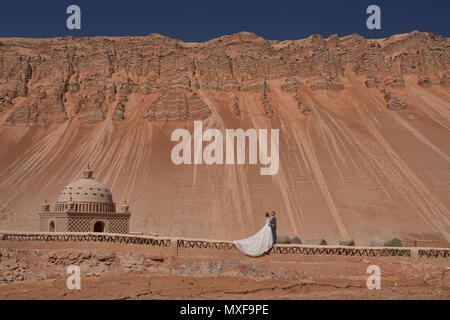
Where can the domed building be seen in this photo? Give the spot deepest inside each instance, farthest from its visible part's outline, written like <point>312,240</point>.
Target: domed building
<point>85,205</point>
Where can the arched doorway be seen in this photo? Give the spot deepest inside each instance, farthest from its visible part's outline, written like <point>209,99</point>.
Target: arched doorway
<point>51,226</point>
<point>99,226</point>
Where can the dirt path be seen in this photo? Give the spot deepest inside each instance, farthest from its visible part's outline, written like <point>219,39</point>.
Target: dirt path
<point>153,286</point>
<point>39,271</point>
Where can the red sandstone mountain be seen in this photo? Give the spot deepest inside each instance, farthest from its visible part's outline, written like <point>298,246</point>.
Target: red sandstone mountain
<point>364,131</point>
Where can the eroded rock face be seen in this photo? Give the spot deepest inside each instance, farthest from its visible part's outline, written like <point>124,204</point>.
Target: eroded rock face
<point>395,82</point>
<point>322,83</point>
<point>445,80</point>
<point>289,84</point>
<point>265,100</point>
<point>372,62</point>
<point>393,102</point>
<point>424,82</point>
<point>92,79</point>
<point>332,143</point>
<point>305,109</point>
<point>119,112</point>
<point>372,82</point>
<point>254,84</point>
<point>6,101</point>
<point>396,104</point>
<point>235,106</point>
<point>178,105</point>
<point>149,86</point>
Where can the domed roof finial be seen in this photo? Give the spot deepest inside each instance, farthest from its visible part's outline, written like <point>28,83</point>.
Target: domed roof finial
<point>70,205</point>
<point>45,206</point>
<point>125,207</point>
<point>88,173</point>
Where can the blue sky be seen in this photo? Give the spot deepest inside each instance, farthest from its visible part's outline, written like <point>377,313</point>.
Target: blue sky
<point>201,20</point>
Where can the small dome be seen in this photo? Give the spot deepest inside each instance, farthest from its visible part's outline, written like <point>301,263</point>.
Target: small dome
<point>85,190</point>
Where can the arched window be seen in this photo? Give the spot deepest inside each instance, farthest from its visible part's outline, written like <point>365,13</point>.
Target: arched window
<point>99,226</point>
<point>51,226</point>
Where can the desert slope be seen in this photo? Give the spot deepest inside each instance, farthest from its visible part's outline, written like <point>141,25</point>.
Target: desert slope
<point>364,132</point>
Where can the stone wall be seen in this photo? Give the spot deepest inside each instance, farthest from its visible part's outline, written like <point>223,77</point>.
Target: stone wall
<point>83,222</point>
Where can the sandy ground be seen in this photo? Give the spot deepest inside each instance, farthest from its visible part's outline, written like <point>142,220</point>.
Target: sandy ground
<point>38,271</point>
<point>156,286</point>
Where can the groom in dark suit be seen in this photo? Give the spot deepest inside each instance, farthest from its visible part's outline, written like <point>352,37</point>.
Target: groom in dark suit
<point>273,226</point>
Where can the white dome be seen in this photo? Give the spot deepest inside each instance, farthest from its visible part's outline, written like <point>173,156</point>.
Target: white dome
<point>85,191</point>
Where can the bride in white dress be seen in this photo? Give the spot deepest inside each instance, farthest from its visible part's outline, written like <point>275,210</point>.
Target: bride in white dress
<point>257,244</point>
